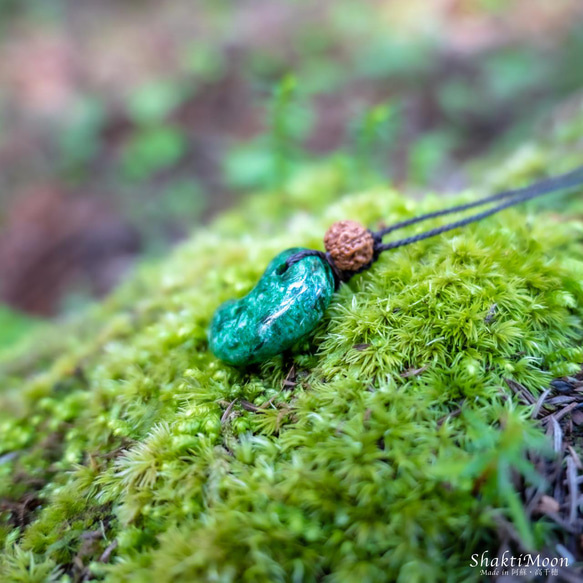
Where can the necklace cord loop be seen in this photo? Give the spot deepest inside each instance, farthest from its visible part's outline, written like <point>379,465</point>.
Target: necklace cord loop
<point>339,275</point>
<point>510,198</point>
<point>545,186</point>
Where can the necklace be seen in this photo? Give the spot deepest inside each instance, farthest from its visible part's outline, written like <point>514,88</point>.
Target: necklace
<point>298,285</point>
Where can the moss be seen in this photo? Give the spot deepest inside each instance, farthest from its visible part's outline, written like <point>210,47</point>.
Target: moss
<point>386,447</point>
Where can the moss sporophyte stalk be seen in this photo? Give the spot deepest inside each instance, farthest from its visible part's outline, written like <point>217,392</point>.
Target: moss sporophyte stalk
<point>384,447</point>
<point>295,290</point>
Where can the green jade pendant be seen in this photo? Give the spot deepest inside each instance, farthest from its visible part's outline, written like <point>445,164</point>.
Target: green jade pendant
<point>286,304</point>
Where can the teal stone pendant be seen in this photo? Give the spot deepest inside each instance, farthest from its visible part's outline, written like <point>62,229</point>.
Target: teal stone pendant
<point>286,304</point>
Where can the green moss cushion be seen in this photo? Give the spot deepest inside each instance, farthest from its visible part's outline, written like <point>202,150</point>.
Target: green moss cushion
<point>382,448</point>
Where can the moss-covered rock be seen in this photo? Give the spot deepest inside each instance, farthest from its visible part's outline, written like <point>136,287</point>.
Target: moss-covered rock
<point>384,448</point>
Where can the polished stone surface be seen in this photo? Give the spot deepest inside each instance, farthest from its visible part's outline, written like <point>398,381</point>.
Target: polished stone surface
<point>284,306</point>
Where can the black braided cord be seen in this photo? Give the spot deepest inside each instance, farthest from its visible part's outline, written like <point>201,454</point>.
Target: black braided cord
<point>511,198</point>
<point>548,185</point>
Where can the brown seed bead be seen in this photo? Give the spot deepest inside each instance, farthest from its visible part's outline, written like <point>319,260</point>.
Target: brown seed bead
<point>350,245</point>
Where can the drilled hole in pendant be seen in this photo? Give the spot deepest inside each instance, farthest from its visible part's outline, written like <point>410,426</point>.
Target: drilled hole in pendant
<point>281,269</point>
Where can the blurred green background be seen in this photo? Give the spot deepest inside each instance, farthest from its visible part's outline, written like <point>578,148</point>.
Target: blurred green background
<point>125,124</point>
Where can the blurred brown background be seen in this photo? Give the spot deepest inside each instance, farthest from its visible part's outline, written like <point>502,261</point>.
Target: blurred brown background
<point>126,123</point>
